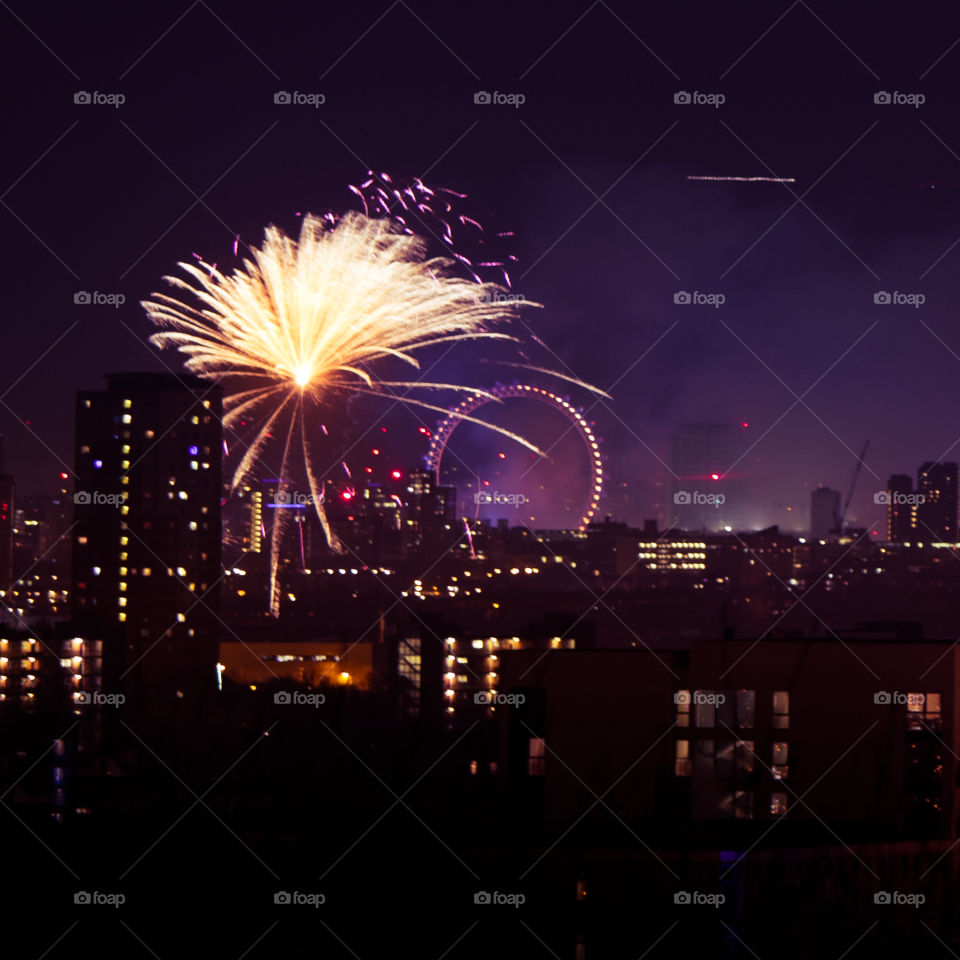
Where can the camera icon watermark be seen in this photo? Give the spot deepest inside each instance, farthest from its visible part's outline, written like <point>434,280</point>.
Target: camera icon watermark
<point>298,99</point>
<point>515,500</point>
<point>96,698</point>
<point>886,498</point>
<point>885,298</point>
<point>687,498</point>
<point>885,98</point>
<point>895,698</point>
<point>298,698</point>
<point>500,99</point>
<point>86,98</point>
<point>685,698</point>
<point>292,498</point>
<point>95,498</point>
<point>696,898</point>
<point>296,898</point>
<point>500,296</point>
<point>686,298</point>
<point>488,698</point>
<point>685,98</point>
<point>98,299</point>
<point>897,898</point>
<point>496,898</point>
<point>96,898</point>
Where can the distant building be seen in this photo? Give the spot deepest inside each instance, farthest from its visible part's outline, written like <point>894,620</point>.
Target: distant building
<point>7,515</point>
<point>146,539</point>
<point>937,512</point>
<point>901,509</point>
<point>707,490</point>
<point>824,512</point>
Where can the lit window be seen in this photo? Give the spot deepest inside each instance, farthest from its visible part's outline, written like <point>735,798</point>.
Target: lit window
<point>778,804</point>
<point>127,404</point>
<point>923,711</point>
<point>681,763</point>
<point>127,418</point>
<point>536,756</point>
<point>781,710</point>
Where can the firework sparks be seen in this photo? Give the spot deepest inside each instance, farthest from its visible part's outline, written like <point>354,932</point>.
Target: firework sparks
<point>749,179</point>
<point>419,208</point>
<point>308,320</point>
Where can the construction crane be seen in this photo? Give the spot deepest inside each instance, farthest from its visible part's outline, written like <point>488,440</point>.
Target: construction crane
<point>853,486</point>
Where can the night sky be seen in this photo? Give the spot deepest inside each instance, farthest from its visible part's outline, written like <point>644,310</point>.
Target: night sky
<point>590,170</point>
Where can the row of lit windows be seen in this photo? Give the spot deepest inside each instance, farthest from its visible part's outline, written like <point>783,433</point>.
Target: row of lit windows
<point>728,708</point>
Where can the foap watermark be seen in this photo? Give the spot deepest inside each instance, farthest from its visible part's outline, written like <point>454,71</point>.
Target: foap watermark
<point>292,498</point>
<point>884,298</point>
<point>97,698</point>
<point>697,898</point>
<point>98,299</point>
<point>897,898</point>
<point>96,498</point>
<point>499,899</point>
<point>487,698</point>
<point>297,898</point>
<point>698,299</point>
<point>299,699</point>
<point>298,99</point>
<point>98,99</point>
<point>885,98</point>
<point>515,500</point>
<point>97,898</point>
<point>682,697</point>
<point>498,98</point>
<point>500,296</point>
<point>691,498</point>
<point>699,99</point>
<point>886,498</point>
<point>897,699</point>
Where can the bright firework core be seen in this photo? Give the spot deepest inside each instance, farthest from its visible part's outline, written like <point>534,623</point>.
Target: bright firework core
<point>305,322</point>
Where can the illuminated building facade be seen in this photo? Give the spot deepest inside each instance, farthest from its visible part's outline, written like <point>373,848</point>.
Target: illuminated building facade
<point>673,554</point>
<point>146,559</point>
<point>901,509</point>
<point>937,512</point>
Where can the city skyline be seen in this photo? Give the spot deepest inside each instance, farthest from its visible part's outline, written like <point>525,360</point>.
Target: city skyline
<point>480,481</point>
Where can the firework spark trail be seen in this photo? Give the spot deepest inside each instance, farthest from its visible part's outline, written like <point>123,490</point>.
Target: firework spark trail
<point>749,179</point>
<point>464,236</point>
<point>311,320</point>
